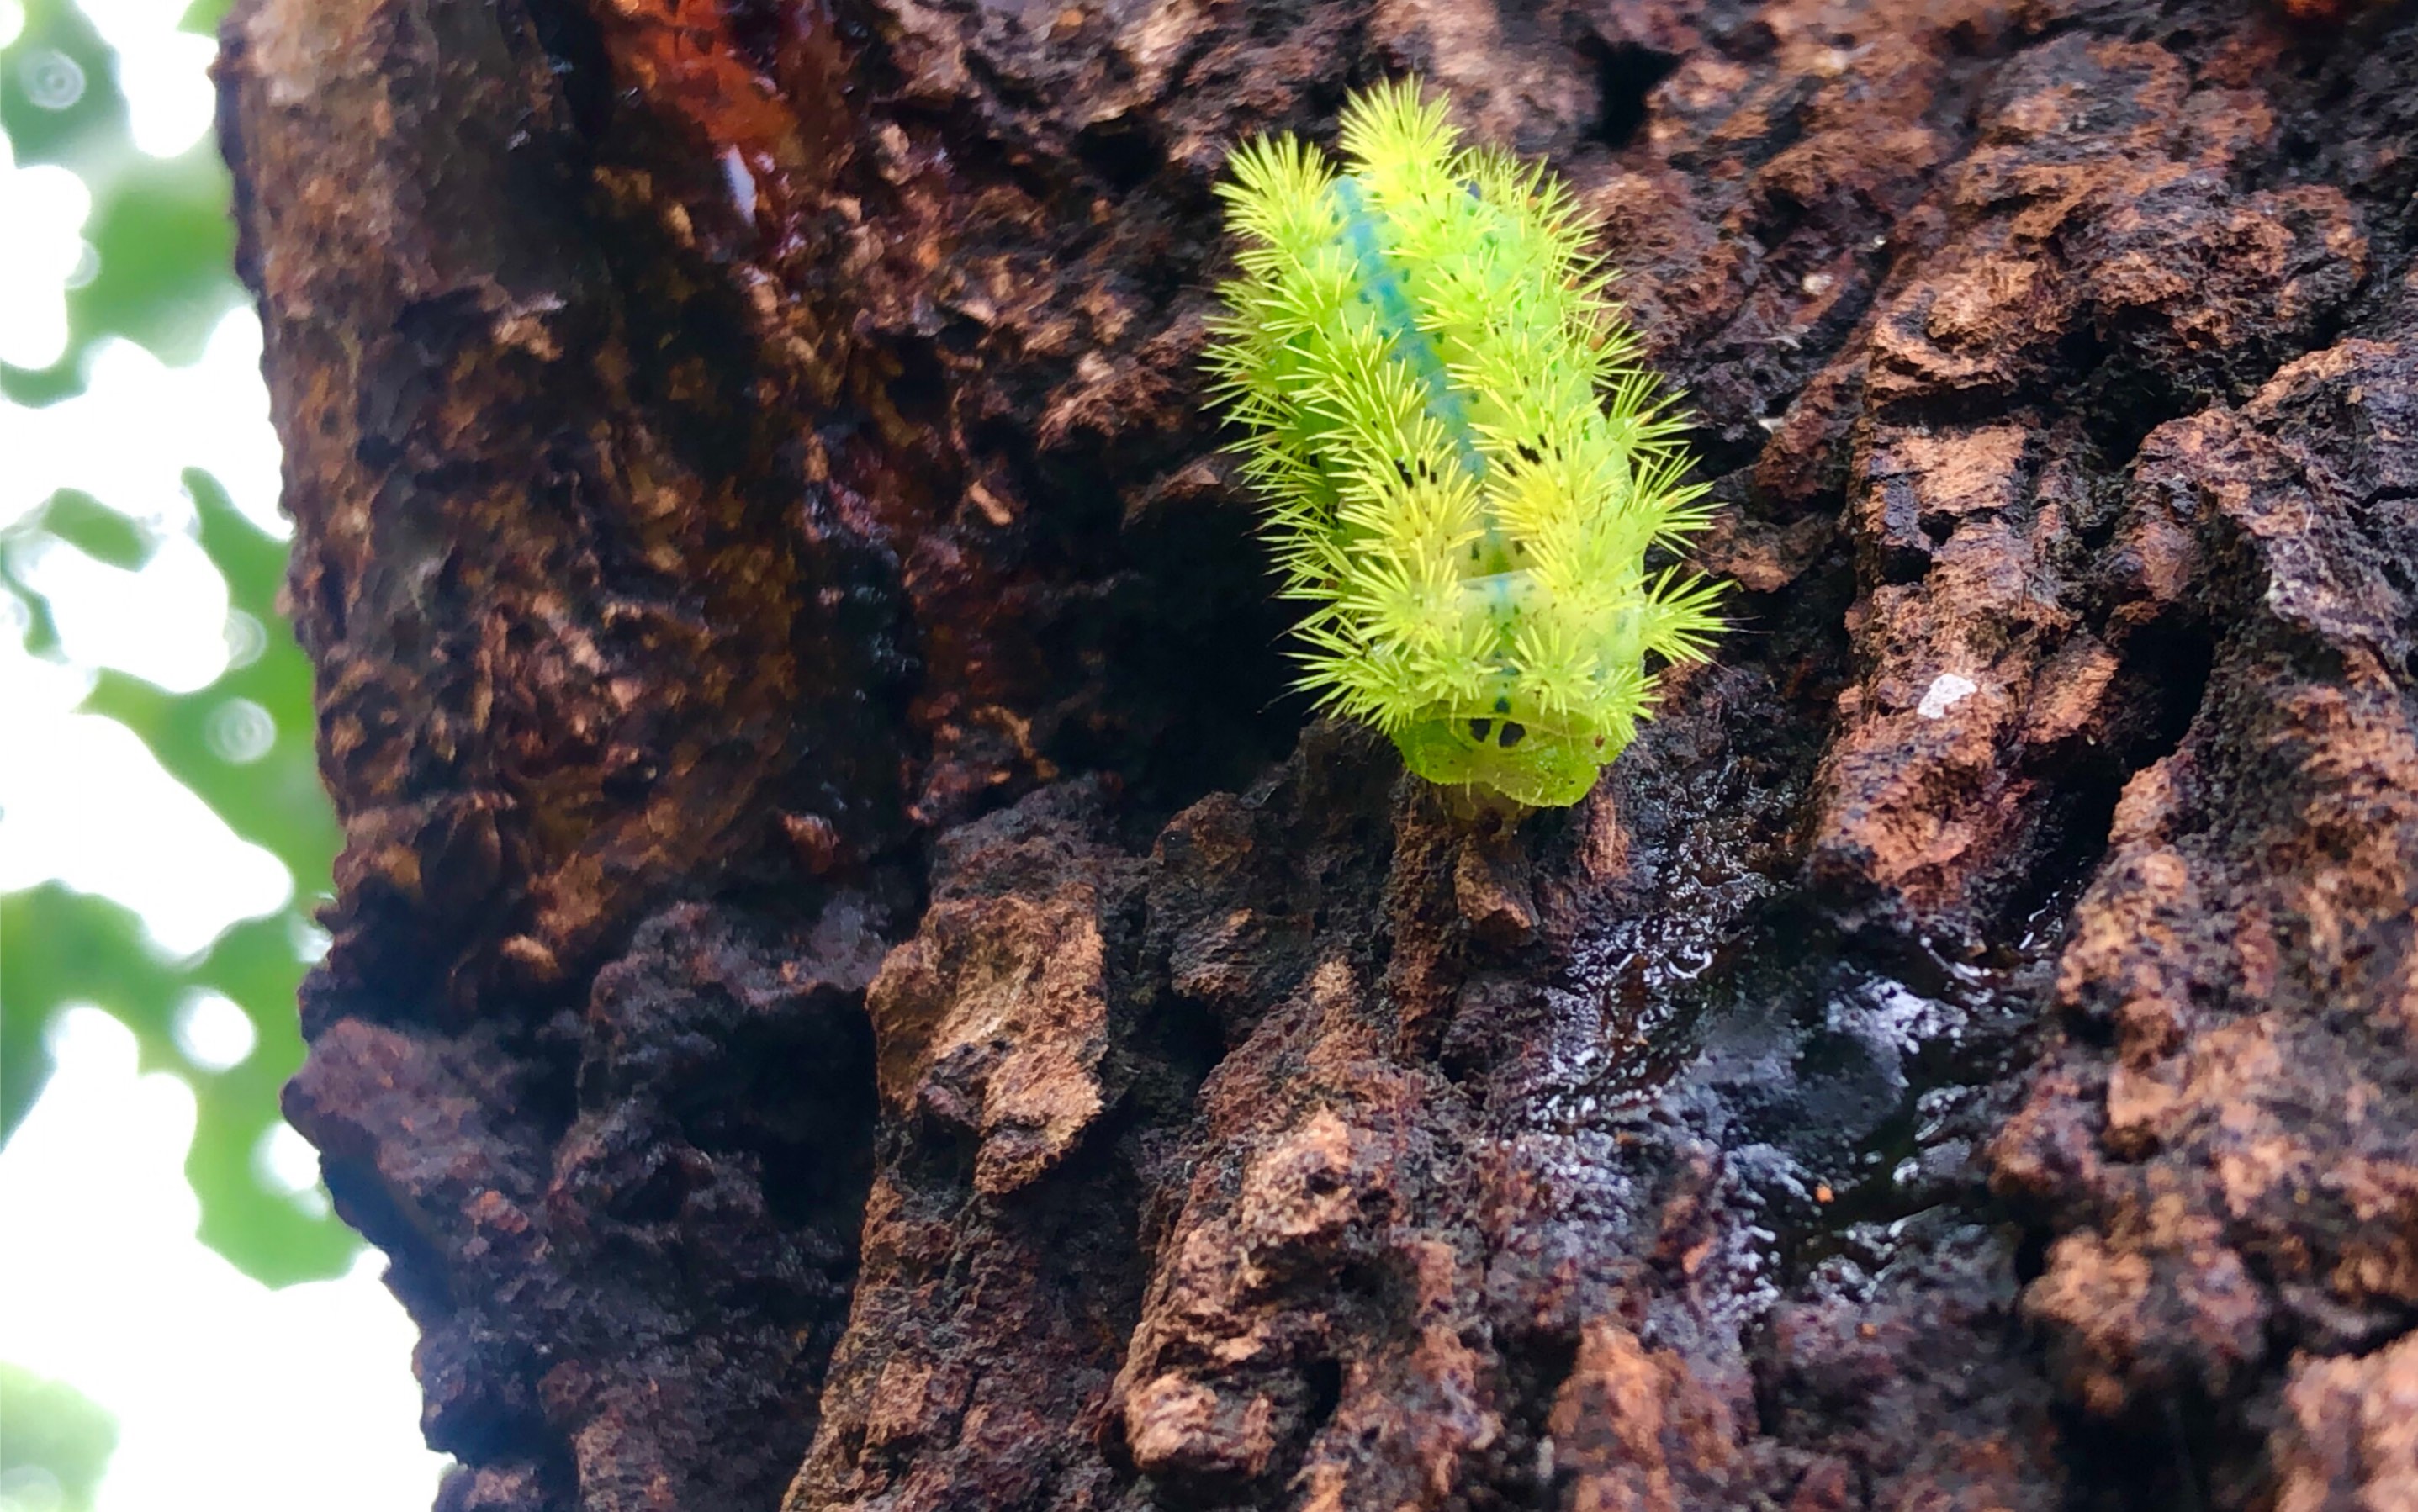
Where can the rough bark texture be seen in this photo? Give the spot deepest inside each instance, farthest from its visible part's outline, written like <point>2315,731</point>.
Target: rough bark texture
<point>854,987</point>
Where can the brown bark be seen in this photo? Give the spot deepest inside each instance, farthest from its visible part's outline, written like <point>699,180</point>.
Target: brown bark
<point>852,975</point>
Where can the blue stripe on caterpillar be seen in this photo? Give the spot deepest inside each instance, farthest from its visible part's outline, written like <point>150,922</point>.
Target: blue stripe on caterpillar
<point>1381,287</point>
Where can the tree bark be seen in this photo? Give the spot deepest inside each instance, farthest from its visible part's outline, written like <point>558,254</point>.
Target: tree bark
<point>855,986</point>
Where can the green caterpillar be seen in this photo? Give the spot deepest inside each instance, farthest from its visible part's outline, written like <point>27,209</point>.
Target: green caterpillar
<point>1463,461</point>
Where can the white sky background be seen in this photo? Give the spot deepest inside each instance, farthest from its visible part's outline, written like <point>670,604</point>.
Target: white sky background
<point>228,1395</point>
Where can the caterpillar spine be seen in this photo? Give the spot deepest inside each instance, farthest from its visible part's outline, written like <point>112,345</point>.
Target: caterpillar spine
<point>1464,463</point>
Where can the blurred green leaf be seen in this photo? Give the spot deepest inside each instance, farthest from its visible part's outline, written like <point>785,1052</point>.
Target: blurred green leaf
<point>203,16</point>
<point>55,1443</point>
<point>83,522</point>
<point>69,947</point>
<point>166,249</point>
<point>244,746</point>
<point>59,101</point>
<point>84,130</point>
<point>41,635</point>
<point>161,275</point>
<point>163,240</point>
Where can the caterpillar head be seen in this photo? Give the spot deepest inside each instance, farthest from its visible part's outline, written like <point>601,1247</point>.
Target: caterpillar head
<point>1539,768</point>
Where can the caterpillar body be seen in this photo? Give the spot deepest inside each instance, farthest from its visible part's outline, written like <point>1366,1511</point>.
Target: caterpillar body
<point>1464,465</point>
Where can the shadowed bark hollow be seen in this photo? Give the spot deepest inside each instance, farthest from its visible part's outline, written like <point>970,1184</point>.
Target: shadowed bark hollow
<point>855,986</point>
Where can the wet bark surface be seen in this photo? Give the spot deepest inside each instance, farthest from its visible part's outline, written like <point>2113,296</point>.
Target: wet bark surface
<point>855,986</point>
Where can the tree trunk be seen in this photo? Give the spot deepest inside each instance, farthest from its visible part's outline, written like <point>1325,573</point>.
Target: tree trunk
<point>855,986</point>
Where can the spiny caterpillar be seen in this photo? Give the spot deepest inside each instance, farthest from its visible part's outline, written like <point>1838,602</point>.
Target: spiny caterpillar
<point>1463,461</point>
